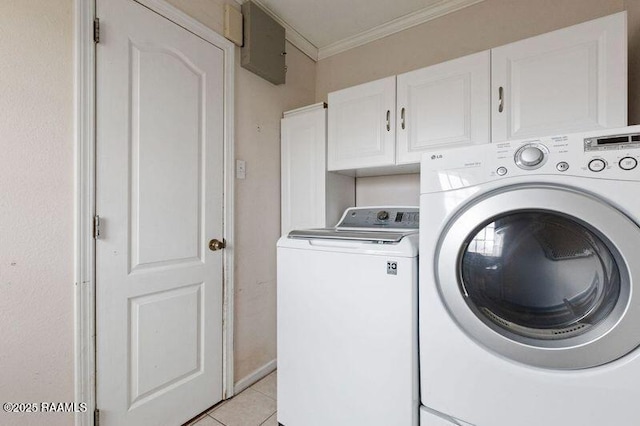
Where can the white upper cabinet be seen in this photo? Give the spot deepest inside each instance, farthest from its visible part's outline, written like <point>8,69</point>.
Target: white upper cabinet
<point>570,80</point>
<point>573,79</point>
<point>362,125</point>
<point>303,162</point>
<point>311,197</point>
<point>443,105</point>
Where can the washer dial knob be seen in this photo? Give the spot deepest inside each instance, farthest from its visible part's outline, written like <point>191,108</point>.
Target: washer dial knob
<point>383,215</point>
<point>531,156</point>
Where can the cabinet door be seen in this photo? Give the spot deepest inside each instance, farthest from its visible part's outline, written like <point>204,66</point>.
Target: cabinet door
<point>362,125</point>
<point>574,79</point>
<point>303,162</point>
<point>443,105</point>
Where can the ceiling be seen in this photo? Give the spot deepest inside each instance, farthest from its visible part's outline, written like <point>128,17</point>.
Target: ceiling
<point>322,28</point>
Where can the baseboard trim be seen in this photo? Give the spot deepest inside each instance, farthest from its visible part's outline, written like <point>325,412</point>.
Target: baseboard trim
<point>255,376</point>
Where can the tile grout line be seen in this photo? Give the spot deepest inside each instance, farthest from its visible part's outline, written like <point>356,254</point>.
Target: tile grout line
<point>211,412</point>
<point>197,419</point>
<point>267,419</point>
<point>252,386</point>
<point>262,393</point>
<point>268,396</point>
<point>216,419</point>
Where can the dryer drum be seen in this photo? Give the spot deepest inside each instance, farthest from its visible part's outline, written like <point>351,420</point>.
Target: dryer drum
<point>539,274</point>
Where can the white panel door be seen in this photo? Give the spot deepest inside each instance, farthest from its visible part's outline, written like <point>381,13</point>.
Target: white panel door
<point>573,79</point>
<point>159,196</point>
<point>443,105</point>
<point>303,150</point>
<point>362,125</point>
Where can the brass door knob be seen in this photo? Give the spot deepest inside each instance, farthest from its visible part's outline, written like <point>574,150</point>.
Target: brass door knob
<point>217,244</point>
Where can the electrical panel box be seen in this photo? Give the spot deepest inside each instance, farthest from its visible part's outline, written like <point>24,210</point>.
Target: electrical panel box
<point>263,52</point>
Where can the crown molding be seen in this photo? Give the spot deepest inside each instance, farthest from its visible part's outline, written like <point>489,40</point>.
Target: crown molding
<point>421,16</point>
<point>416,18</point>
<point>293,36</point>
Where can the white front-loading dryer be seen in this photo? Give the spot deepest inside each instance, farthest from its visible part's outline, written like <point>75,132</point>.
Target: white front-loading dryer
<point>529,293</point>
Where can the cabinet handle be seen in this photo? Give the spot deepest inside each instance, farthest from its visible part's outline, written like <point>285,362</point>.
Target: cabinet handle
<point>402,118</point>
<point>388,120</point>
<point>500,99</point>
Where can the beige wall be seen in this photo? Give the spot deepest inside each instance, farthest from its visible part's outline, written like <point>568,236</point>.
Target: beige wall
<point>485,25</point>
<point>633,19</point>
<point>393,190</point>
<point>259,107</point>
<point>36,202</point>
<point>36,206</point>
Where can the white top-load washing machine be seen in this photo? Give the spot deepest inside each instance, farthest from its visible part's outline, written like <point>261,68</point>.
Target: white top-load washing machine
<point>530,282</point>
<point>347,321</point>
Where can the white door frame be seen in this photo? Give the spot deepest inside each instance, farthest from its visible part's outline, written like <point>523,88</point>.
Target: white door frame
<point>85,196</point>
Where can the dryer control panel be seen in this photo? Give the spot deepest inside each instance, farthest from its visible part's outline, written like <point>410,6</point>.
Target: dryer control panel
<point>604,154</point>
<point>612,142</point>
<point>605,147</point>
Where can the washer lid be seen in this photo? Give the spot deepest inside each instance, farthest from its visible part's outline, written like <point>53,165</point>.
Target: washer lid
<point>382,224</point>
<point>351,235</point>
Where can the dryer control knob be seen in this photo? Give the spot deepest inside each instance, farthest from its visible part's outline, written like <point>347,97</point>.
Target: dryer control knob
<point>531,156</point>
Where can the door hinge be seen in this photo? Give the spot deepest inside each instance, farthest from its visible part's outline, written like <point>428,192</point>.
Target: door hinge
<point>96,417</point>
<point>96,227</point>
<point>96,30</point>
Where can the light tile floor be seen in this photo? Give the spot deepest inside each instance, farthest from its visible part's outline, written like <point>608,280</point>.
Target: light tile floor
<point>255,406</point>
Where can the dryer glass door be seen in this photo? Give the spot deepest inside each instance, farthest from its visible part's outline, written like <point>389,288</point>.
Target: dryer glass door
<point>539,274</point>
<point>544,275</point>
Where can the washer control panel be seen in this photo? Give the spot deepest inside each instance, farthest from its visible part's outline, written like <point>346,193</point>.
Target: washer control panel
<point>380,217</point>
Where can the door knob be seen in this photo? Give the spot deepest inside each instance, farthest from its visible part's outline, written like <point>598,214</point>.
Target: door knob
<point>217,244</point>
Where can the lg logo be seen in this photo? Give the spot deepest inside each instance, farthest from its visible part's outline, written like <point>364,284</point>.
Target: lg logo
<point>436,156</point>
<point>392,268</point>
